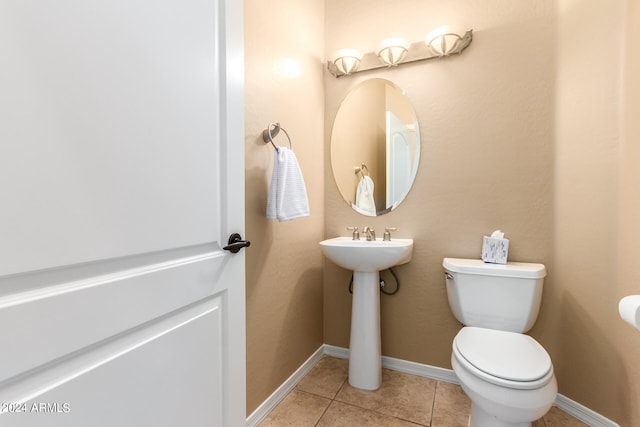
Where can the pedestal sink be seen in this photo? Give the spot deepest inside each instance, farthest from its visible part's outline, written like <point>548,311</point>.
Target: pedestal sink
<point>366,259</point>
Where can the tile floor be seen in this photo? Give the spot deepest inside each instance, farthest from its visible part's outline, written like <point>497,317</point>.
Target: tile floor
<point>325,398</point>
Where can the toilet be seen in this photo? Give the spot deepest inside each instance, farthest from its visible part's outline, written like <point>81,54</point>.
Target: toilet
<point>507,375</point>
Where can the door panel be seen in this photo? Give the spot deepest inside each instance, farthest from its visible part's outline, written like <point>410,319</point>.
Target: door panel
<point>121,177</point>
<point>398,159</point>
<point>164,386</point>
<point>108,113</point>
<point>99,307</point>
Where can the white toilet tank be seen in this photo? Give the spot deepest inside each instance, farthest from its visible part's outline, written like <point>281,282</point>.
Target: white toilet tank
<point>495,296</point>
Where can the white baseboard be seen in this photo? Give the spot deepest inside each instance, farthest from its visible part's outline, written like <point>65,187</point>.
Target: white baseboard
<point>337,352</point>
<point>440,374</point>
<point>583,413</point>
<point>569,406</point>
<point>433,372</point>
<point>281,392</point>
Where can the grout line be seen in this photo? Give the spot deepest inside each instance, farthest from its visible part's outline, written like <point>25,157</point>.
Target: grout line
<point>433,404</point>
<point>544,422</point>
<point>354,405</point>
<point>341,387</point>
<point>364,408</point>
<point>333,399</point>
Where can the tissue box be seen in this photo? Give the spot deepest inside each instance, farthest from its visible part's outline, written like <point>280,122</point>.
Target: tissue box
<point>495,250</point>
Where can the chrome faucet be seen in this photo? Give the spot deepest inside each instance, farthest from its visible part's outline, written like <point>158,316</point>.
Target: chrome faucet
<point>370,233</point>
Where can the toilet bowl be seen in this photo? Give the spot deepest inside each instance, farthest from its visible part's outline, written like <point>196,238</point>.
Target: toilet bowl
<point>508,377</point>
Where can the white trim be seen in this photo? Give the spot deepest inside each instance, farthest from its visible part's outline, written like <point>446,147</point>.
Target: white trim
<point>434,372</point>
<point>337,352</point>
<point>582,413</point>
<point>132,271</point>
<point>281,392</point>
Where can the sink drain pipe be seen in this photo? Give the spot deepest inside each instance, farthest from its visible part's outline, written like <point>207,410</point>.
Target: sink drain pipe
<point>382,283</point>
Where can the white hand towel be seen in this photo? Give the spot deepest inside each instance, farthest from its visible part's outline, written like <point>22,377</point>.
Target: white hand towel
<point>287,194</point>
<point>364,197</point>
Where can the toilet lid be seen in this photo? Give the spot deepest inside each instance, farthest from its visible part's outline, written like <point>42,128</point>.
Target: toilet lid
<point>507,355</point>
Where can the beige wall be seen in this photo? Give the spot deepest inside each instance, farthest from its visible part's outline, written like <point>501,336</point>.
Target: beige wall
<point>486,124</point>
<point>284,263</point>
<point>627,342</point>
<point>534,130</point>
<point>527,131</point>
<point>592,347</point>
<point>625,339</point>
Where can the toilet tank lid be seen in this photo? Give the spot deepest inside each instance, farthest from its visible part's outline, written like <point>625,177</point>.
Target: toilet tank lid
<point>511,269</point>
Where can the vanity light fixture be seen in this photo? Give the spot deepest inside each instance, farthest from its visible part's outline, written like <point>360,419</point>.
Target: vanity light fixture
<point>442,41</point>
<point>346,61</point>
<point>392,51</point>
<point>395,51</point>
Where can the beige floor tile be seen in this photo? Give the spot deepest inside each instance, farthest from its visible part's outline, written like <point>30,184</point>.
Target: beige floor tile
<point>298,409</point>
<point>403,400</point>
<point>343,415</point>
<point>326,378</point>
<point>451,407</point>
<point>539,423</point>
<point>401,395</point>
<point>558,418</point>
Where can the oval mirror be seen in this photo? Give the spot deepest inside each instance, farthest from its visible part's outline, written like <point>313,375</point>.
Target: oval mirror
<point>375,147</point>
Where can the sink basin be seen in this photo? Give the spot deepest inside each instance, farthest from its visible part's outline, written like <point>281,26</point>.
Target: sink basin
<point>366,259</point>
<point>372,256</point>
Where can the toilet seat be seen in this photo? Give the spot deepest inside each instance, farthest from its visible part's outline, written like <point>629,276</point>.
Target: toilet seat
<point>503,358</point>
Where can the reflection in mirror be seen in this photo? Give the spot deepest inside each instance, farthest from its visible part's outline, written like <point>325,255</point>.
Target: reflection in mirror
<point>375,147</point>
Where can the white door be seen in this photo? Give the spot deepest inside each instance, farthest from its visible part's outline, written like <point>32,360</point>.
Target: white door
<point>121,178</point>
<point>398,160</point>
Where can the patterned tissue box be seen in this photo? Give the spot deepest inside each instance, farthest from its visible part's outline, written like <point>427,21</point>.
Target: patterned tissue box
<point>495,250</point>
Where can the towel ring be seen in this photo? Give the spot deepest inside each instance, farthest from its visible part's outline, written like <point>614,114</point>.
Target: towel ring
<point>362,169</point>
<point>268,134</point>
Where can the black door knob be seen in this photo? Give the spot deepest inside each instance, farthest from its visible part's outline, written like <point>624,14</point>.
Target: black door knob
<point>236,243</point>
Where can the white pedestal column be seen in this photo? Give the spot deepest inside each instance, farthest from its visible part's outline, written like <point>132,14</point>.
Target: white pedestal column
<point>365,366</point>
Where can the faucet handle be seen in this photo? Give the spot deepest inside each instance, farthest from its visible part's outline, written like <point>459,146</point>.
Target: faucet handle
<point>356,234</point>
<point>387,233</point>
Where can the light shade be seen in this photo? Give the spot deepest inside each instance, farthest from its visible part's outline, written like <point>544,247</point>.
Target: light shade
<point>442,40</point>
<point>392,51</point>
<point>347,60</point>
